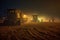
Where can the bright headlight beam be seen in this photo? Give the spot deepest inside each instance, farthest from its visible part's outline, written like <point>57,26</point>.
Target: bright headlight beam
<point>41,19</point>
<point>24,16</point>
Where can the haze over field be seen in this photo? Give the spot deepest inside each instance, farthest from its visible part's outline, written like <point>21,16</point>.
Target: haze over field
<point>29,19</point>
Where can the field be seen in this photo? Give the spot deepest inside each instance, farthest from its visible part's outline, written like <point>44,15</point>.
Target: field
<point>31,31</point>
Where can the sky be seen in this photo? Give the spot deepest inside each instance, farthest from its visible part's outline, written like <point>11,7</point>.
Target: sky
<point>42,7</point>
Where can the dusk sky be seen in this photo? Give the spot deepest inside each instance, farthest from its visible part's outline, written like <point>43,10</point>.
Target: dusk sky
<point>44,7</point>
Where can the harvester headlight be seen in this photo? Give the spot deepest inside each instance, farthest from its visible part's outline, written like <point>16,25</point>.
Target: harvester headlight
<point>24,16</point>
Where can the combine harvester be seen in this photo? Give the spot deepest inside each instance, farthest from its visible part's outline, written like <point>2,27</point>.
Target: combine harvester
<point>13,17</point>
